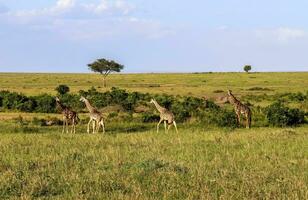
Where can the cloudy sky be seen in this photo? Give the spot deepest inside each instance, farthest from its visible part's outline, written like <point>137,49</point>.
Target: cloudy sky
<point>154,35</point>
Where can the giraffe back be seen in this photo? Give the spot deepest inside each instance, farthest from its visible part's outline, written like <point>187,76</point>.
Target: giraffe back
<point>168,116</point>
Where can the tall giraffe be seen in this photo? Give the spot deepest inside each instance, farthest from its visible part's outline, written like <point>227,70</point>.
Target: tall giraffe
<point>240,109</point>
<point>69,116</point>
<point>165,115</point>
<point>95,117</point>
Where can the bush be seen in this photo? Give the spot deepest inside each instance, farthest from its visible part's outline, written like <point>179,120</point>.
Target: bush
<point>45,104</point>
<point>180,111</point>
<point>150,117</point>
<point>62,89</point>
<point>225,118</point>
<point>72,101</point>
<point>280,115</point>
<point>220,118</point>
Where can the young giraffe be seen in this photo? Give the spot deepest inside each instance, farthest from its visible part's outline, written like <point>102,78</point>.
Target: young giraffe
<point>95,117</point>
<point>240,108</point>
<point>165,115</point>
<point>68,116</point>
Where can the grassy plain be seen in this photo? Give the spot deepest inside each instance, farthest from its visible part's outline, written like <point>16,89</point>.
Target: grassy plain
<point>133,162</point>
<point>263,163</point>
<point>202,84</point>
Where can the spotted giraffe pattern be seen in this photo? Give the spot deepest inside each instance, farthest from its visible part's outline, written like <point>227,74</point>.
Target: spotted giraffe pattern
<point>166,116</point>
<point>240,109</point>
<point>69,116</point>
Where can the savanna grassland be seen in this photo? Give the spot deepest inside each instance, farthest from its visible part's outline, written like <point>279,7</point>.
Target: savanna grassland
<point>196,84</point>
<point>132,161</point>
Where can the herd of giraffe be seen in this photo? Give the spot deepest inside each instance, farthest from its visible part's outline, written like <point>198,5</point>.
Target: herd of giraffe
<point>166,116</point>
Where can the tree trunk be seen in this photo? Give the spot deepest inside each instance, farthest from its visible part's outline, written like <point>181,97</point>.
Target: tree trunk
<point>104,81</point>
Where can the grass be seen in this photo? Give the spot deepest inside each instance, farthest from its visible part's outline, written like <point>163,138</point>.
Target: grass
<point>265,163</point>
<point>132,161</point>
<point>202,84</point>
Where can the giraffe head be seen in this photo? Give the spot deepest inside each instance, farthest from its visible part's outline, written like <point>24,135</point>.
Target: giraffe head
<point>230,98</point>
<point>229,92</point>
<point>152,101</point>
<point>82,99</point>
<point>57,99</point>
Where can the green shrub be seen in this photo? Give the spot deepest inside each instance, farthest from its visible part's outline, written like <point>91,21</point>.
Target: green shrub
<point>280,115</point>
<point>62,89</point>
<point>45,104</point>
<point>112,115</point>
<point>150,117</point>
<point>225,118</point>
<point>220,118</point>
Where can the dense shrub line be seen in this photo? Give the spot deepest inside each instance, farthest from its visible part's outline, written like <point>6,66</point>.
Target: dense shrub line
<point>284,97</point>
<point>184,108</point>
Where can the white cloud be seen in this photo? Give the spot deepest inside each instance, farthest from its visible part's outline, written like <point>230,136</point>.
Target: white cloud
<point>62,7</point>
<point>73,20</point>
<point>281,34</point>
<point>110,6</point>
<point>65,4</point>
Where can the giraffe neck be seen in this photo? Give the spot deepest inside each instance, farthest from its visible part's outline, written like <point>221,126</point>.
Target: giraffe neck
<point>89,106</point>
<point>60,105</point>
<point>158,107</point>
<point>233,99</point>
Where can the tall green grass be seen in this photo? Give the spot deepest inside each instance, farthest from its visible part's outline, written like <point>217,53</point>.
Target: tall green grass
<point>194,164</point>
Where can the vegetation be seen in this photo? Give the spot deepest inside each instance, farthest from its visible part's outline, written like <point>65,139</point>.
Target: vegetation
<point>210,158</point>
<point>280,115</point>
<point>194,84</point>
<point>105,67</point>
<point>62,89</point>
<point>194,164</point>
<point>185,108</point>
<point>247,68</point>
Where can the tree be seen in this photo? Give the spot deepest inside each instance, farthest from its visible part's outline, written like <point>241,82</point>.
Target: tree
<point>62,89</point>
<point>247,68</point>
<point>105,67</point>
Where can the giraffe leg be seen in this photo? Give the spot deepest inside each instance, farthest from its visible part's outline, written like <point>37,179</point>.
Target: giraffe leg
<point>238,119</point>
<point>63,127</point>
<point>169,126</point>
<point>66,126</point>
<point>98,126</point>
<point>88,128</point>
<point>159,124</point>
<point>73,126</point>
<point>165,125</point>
<point>248,120</point>
<point>176,129</point>
<point>93,126</point>
<point>103,126</point>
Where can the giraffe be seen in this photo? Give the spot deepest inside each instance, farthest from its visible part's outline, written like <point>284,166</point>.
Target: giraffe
<point>239,109</point>
<point>95,117</point>
<point>68,116</point>
<point>165,115</point>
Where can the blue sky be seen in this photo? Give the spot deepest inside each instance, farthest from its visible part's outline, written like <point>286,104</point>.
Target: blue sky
<point>154,36</point>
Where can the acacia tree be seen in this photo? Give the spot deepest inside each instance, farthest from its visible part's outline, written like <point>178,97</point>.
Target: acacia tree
<point>105,67</point>
<point>247,68</point>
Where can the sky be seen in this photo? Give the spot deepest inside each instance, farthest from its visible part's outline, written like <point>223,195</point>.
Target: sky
<point>154,35</point>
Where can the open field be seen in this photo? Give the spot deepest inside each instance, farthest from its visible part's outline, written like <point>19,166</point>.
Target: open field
<point>195,164</point>
<point>132,161</point>
<point>177,84</point>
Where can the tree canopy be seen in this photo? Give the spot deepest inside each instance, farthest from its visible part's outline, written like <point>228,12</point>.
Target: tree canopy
<point>247,68</point>
<point>105,67</point>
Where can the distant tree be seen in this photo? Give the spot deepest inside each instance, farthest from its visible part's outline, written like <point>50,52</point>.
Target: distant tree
<point>62,89</point>
<point>247,68</point>
<point>105,67</point>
